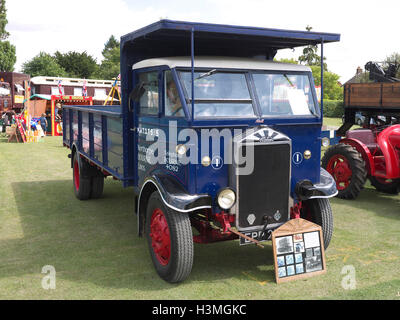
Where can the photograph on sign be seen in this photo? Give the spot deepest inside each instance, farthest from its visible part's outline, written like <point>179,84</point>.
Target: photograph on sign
<point>298,250</point>
<point>284,245</point>
<point>311,239</point>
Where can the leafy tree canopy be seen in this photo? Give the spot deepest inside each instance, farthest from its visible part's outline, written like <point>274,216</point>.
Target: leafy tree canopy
<point>77,65</point>
<point>332,89</point>
<point>7,50</point>
<point>310,55</point>
<point>110,65</point>
<point>7,56</point>
<point>43,65</point>
<point>3,20</point>
<point>111,43</point>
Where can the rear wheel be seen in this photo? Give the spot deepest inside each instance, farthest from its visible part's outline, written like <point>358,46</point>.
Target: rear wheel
<point>319,212</point>
<point>347,167</point>
<point>82,185</point>
<point>391,186</point>
<point>97,185</point>
<point>170,240</point>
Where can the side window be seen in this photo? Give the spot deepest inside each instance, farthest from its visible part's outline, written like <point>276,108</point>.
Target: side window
<point>149,100</point>
<point>173,105</point>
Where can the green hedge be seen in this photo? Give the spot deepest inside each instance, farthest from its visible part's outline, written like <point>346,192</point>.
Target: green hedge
<point>333,108</point>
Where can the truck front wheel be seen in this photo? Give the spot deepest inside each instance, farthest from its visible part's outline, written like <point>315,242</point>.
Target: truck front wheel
<point>170,240</point>
<point>319,212</point>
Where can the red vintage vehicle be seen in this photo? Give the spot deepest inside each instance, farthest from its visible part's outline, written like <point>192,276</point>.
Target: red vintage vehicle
<point>373,151</point>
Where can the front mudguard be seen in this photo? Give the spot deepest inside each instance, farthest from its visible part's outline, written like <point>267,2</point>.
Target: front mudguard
<point>326,188</point>
<point>173,195</point>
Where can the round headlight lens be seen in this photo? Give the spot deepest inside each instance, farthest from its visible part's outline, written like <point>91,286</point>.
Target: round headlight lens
<point>307,154</point>
<point>180,149</point>
<point>206,161</point>
<point>325,142</point>
<point>226,198</point>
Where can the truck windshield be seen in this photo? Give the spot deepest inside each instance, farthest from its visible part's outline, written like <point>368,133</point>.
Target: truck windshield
<point>284,94</point>
<point>218,94</point>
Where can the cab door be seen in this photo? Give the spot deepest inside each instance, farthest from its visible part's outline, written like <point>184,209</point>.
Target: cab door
<point>147,112</point>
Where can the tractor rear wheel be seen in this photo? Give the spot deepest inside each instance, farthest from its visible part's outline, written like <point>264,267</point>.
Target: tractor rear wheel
<point>319,212</point>
<point>170,240</point>
<point>386,185</point>
<point>347,167</point>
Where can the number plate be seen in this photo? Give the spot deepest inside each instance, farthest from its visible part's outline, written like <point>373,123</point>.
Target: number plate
<point>256,235</point>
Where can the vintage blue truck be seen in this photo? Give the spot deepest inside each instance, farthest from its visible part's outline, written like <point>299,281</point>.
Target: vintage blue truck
<point>218,141</point>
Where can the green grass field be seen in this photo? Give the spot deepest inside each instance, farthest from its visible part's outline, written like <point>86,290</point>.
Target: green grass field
<point>97,255</point>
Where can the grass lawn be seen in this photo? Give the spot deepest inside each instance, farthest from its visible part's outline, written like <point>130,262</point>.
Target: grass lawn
<point>97,255</point>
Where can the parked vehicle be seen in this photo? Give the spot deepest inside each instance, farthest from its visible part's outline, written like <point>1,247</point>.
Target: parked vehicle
<point>229,145</point>
<point>371,152</point>
<point>359,119</point>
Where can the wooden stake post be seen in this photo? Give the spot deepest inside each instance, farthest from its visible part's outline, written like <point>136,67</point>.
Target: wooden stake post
<point>298,248</point>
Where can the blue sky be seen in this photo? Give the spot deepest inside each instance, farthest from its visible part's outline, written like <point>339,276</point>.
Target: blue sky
<point>368,28</point>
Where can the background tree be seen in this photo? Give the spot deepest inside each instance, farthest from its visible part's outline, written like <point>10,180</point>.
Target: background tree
<point>77,65</point>
<point>310,56</point>
<point>111,43</point>
<point>332,89</point>
<point>7,50</point>
<point>110,65</point>
<point>7,56</point>
<point>393,58</point>
<point>3,20</point>
<point>43,65</point>
<point>288,60</point>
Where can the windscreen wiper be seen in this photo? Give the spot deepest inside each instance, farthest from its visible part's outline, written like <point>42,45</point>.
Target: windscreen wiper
<point>209,73</point>
<point>288,80</point>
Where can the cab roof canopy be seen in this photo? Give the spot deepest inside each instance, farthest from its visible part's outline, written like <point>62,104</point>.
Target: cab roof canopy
<point>172,38</point>
<point>167,38</point>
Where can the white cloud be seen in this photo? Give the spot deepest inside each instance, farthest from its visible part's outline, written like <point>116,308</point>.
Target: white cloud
<point>46,25</point>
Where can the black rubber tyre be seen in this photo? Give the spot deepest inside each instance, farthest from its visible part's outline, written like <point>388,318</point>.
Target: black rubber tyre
<point>97,186</point>
<point>81,184</point>
<point>356,165</point>
<point>392,187</point>
<point>319,212</point>
<point>177,266</point>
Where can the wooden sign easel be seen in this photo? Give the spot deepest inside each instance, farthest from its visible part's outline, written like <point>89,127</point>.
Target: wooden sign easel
<point>298,248</point>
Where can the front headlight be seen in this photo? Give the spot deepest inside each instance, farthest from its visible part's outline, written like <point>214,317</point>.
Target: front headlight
<point>226,198</point>
<point>325,142</point>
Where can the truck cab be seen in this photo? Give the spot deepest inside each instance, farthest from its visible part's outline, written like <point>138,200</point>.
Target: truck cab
<point>216,147</point>
<point>271,104</point>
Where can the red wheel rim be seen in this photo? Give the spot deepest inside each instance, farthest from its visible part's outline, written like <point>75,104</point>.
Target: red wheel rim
<point>160,236</point>
<point>339,167</point>
<point>76,175</point>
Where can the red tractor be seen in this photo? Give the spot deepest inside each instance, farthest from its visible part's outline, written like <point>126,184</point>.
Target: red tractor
<point>372,151</point>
